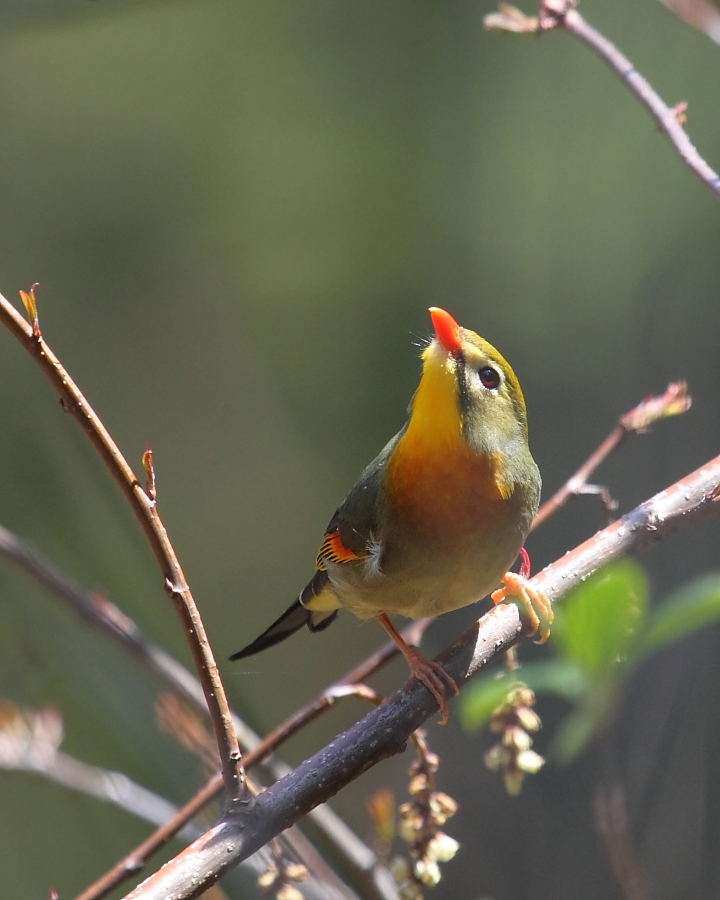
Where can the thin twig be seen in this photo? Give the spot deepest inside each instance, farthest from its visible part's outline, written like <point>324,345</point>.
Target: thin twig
<point>384,731</point>
<point>101,613</point>
<point>562,14</point>
<point>613,827</point>
<point>666,117</point>
<point>30,742</point>
<point>674,401</point>
<point>145,509</point>
<point>310,711</point>
<point>134,861</point>
<point>98,611</point>
<point>344,687</point>
<point>338,691</point>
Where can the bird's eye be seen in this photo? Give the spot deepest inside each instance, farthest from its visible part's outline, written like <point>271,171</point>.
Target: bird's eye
<point>489,377</point>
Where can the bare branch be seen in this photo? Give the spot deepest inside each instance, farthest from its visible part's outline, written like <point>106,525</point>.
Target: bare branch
<point>666,116</point>
<point>701,14</point>
<point>134,861</point>
<point>30,742</point>
<point>101,613</point>
<point>385,731</point>
<point>145,509</point>
<point>673,402</point>
<point>562,14</point>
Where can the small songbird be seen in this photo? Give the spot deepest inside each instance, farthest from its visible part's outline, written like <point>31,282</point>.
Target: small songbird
<point>437,519</point>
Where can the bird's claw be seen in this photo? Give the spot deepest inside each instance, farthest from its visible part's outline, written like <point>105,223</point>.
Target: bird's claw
<point>427,671</point>
<point>532,600</point>
<point>435,679</point>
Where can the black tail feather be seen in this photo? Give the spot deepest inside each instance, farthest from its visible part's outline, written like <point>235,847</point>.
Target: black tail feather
<point>289,622</point>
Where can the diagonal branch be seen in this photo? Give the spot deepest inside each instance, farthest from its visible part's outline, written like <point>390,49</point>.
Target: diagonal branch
<point>385,731</point>
<point>364,866</point>
<point>145,510</point>
<point>670,120</point>
<point>673,402</point>
<point>101,613</point>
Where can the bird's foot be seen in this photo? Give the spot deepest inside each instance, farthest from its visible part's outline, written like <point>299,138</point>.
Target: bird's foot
<point>536,605</point>
<point>434,677</point>
<point>427,671</point>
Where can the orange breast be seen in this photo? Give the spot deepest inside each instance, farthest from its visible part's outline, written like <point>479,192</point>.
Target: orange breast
<point>443,491</point>
<point>439,488</point>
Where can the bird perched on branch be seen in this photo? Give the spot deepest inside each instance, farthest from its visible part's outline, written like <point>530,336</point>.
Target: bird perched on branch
<point>437,519</point>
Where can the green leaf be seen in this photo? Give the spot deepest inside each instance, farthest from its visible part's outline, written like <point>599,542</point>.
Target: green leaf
<point>480,699</point>
<point>580,727</point>
<point>556,676</point>
<point>692,607</point>
<point>595,626</point>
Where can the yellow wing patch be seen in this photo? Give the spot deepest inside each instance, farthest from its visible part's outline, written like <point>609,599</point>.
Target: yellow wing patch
<point>333,550</point>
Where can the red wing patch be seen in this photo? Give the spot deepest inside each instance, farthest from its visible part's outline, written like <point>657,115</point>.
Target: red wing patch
<point>333,550</point>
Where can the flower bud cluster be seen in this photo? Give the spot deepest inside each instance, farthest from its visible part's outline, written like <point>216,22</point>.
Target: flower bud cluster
<point>512,755</point>
<point>419,823</point>
<point>275,879</point>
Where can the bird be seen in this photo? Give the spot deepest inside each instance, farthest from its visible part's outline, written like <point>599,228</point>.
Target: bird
<point>437,519</point>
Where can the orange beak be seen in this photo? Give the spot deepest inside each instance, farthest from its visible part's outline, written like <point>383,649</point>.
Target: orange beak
<point>446,328</point>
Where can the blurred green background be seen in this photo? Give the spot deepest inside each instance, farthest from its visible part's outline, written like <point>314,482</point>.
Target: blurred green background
<point>238,212</point>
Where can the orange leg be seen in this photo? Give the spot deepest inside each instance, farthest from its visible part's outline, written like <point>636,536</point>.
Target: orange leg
<point>536,605</point>
<point>429,672</point>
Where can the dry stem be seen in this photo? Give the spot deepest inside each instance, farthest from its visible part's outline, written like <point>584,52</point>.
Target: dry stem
<point>144,508</point>
<point>674,401</point>
<point>101,613</point>
<point>344,687</point>
<point>562,14</point>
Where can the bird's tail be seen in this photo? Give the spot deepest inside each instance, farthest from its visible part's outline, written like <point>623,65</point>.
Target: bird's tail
<point>289,622</point>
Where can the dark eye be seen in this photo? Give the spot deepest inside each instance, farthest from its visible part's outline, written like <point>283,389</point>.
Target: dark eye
<point>489,377</point>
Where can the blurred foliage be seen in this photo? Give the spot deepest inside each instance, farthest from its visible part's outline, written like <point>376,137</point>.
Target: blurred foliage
<point>602,632</point>
<point>238,212</point>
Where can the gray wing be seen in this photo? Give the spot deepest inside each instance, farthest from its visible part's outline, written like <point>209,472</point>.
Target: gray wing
<point>356,520</point>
